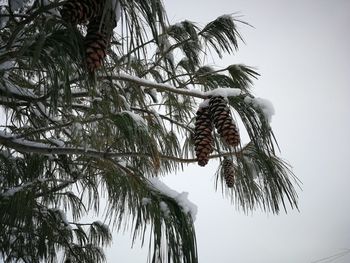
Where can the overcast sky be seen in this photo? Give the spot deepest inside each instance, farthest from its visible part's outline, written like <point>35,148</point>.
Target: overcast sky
<point>302,51</point>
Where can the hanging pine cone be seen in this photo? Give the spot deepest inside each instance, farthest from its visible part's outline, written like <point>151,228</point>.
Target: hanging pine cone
<point>228,171</point>
<point>81,11</point>
<point>97,39</point>
<point>203,139</point>
<point>221,116</point>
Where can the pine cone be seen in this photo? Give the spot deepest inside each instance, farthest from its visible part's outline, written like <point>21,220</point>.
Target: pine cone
<point>228,171</point>
<point>203,139</point>
<point>221,116</point>
<point>81,11</point>
<point>97,39</point>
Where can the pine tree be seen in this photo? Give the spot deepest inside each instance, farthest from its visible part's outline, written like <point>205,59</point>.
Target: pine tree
<point>70,135</point>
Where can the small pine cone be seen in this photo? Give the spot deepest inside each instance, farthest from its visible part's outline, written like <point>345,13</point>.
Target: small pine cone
<point>221,116</point>
<point>81,11</point>
<point>228,171</point>
<point>203,138</point>
<point>97,40</point>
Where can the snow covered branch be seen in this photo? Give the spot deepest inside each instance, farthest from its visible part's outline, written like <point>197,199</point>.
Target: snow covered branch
<point>181,198</point>
<point>22,145</point>
<point>159,86</point>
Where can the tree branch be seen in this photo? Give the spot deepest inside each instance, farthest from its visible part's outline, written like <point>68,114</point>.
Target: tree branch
<point>159,86</point>
<point>35,147</point>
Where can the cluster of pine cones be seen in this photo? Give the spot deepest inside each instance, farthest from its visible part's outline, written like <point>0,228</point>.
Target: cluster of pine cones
<point>100,27</point>
<point>215,114</point>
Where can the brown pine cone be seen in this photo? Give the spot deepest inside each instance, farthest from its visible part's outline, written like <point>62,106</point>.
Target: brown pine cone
<point>97,40</point>
<point>228,171</point>
<point>81,11</point>
<point>203,139</point>
<point>224,124</point>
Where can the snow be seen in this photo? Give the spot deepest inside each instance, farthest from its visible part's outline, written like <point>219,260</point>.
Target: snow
<point>122,163</point>
<point>42,109</point>
<point>164,208</point>
<point>181,198</point>
<point>224,92</point>
<point>11,88</point>
<point>165,45</point>
<point>97,99</point>
<point>178,24</point>
<point>117,8</point>
<point>57,142</point>
<point>5,134</point>
<point>145,201</point>
<point>53,11</point>
<point>252,168</point>
<point>5,153</point>
<point>159,86</point>
<point>263,104</point>
<point>225,17</point>
<point>77,128</point>
<point>125,102</point>
<point>23,142</point>
<point>204,104</point>
<point>153,93</point>
<point>101,224</point>
<point>157,116</point>
<point>17,4</point>
<point>62,215</point>
<point>8,64</point>
<point>31,143</point>
<point>137,118</point>
<point>3,18</point>
<point>12,191</point>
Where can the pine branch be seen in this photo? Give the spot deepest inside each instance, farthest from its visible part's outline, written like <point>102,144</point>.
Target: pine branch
<point>35,147</point>
<point>135,196</point>
<point>158,86</point>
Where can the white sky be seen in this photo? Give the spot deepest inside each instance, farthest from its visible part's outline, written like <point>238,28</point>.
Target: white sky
<point>302,50</point>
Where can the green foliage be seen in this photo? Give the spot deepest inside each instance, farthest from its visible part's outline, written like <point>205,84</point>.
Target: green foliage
<point>72,141</point>
<point>261,181</point>
<point>133,196</point>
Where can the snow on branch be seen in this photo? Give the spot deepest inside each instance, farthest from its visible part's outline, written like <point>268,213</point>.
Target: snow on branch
<point>163,87</point>
<point>224,92</point>
<point>160,86</point>
<point>10,88</point>
<point>263,104</point>
<point>181,198</point>
<point>22,145</point>
<point>12,191</point>
<point>136,118</point>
